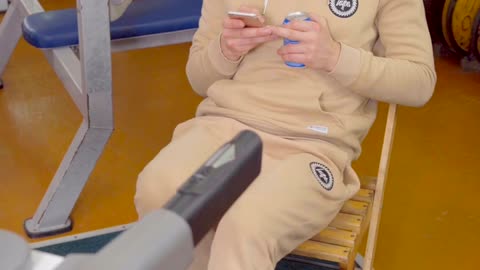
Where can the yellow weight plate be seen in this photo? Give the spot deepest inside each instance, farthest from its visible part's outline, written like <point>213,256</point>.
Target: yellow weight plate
<point>462,19</point>
<point>433,12</point>
<point>446,22</point>
<point>476,37</point>
<point>477,48</point>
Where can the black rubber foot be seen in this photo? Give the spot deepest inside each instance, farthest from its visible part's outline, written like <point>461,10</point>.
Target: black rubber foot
<point>47,232</point>
<point>300,262</point>
<point>440,50</point>
<point>470,64</point>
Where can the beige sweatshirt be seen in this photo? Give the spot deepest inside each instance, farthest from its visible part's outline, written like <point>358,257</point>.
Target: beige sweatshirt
<point>386,55</point>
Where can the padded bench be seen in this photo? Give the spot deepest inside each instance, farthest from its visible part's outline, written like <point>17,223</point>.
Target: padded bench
<point>59,28</point>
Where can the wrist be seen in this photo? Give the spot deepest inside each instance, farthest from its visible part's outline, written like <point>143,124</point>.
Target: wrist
<point>227,53</point>
<point>232,57</point>
<point>334,56</point>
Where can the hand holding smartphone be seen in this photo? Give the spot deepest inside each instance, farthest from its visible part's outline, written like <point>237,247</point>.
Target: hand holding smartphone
<point>237,39</point>
<point>250,19</point>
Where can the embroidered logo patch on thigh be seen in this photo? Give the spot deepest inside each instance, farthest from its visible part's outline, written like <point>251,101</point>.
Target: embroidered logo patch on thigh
<point>343,8</point>
<point>323,175</point>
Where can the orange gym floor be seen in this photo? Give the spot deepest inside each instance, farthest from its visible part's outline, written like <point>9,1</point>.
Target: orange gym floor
<point>431,217</point>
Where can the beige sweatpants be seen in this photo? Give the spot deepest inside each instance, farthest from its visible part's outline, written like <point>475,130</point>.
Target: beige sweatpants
<point>300,189</point>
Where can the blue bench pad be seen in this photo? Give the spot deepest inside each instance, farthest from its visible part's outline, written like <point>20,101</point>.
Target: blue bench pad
<point>53,29</point>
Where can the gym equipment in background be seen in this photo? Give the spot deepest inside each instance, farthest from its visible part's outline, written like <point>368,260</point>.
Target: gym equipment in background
<point>452,26</point>
<point>164,239</point>
<point>87,77</point>
<point>476,37</point>
<point>457,23</point>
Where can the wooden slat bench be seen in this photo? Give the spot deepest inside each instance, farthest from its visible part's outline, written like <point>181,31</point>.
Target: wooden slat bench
<point>336,247</point>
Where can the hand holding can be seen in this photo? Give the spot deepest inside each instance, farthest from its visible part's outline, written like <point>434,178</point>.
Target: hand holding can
<point>294,16</point>
<point>307,42</point>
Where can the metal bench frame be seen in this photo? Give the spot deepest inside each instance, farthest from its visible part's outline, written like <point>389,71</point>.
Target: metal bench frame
<point>87,77</point>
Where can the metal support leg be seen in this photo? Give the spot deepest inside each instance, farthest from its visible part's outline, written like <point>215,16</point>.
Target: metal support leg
<point>52,216</point>
<point>11,28</point>
<point>68,68</point>
<point>10,33</point>
<point>359,262</point>
<point>3,5</point>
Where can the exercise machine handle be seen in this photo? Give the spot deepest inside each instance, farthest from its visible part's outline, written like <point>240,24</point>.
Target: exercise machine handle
<point>212,189</point>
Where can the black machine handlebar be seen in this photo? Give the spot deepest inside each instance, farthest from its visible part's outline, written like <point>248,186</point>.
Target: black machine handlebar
<point>212,189</point>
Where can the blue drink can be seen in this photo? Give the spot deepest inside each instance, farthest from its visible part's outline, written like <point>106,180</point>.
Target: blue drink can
<point>294,16</point>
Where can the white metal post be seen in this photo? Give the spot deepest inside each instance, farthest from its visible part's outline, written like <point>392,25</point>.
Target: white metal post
<point>11,30</point>
<point>3,5</point>
<point>52,216</point>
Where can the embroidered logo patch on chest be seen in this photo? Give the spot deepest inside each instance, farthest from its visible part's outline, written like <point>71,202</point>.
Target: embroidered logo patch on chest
<point>323,174</point>
<point>343,8</point>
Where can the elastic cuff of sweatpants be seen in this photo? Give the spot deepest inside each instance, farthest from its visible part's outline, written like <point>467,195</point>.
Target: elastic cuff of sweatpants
<point>219,61</point>
<point>347,69</point>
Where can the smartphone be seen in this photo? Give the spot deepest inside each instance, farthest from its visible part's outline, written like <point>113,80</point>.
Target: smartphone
<point>250,19</point>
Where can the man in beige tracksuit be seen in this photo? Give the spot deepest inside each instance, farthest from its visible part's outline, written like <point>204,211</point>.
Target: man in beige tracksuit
<point>312,120</point>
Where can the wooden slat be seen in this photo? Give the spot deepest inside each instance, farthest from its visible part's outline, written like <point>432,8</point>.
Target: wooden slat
<point>364,195</point>
<point>340,241</point>
<point>336,236</point>
<point>347,222</point>
<point>322,251</point>
<point>369,182</point>
<point>355,208</point>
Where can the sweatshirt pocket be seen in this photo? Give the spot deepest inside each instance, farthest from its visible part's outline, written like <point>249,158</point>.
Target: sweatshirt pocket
<point>334,117</point>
